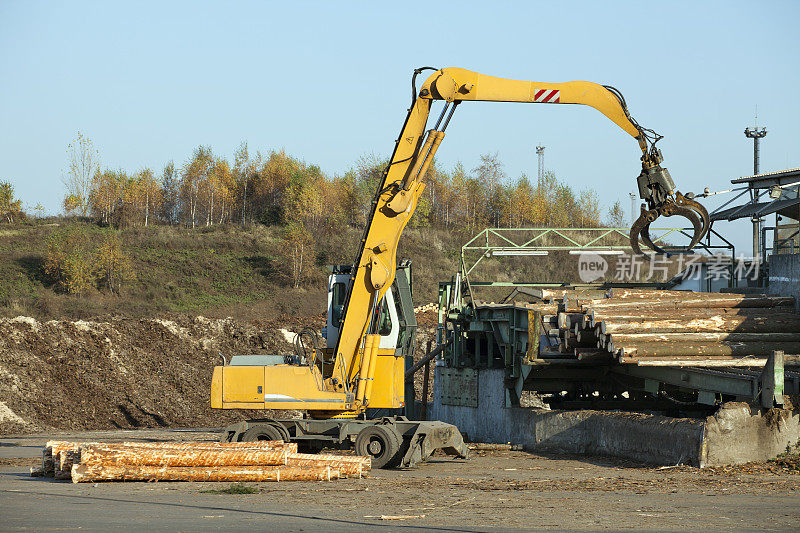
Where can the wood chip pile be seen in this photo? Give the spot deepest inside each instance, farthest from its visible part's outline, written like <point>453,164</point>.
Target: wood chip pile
<point>677,327</point>
<point>89,462</point>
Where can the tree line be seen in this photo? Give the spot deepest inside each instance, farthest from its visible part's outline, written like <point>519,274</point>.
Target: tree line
<point>275,188</point>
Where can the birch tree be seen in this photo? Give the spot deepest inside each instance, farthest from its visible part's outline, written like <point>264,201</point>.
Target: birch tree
<point>83,162</point>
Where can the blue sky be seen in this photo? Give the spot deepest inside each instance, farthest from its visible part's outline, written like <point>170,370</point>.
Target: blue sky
<point>329,82</point>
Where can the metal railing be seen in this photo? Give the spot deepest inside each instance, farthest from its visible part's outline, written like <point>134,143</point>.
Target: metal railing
<point>785,239</point>
<point>498,242</point>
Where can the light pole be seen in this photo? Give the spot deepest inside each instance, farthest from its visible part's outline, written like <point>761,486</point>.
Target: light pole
<point>633,207</point>
<point>756,133</point>
<point>540,154</point>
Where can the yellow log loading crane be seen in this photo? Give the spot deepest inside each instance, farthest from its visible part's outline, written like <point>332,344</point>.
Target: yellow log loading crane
<point>362,367</point>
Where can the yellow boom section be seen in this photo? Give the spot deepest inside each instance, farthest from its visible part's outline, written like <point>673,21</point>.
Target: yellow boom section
<point>459,84</point>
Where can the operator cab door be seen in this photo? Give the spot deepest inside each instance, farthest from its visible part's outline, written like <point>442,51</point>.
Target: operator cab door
<point>388,323</point>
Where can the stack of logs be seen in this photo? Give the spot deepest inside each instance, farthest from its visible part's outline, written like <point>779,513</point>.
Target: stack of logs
<point>674,327</point>
<point>193,461</point>
<point>554,339</point>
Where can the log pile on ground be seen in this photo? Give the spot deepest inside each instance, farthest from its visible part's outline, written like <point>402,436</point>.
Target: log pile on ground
<point>89,462</point>
<point>659,327</point>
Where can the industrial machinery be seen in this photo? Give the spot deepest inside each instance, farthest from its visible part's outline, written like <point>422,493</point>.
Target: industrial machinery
<point>363,365</point>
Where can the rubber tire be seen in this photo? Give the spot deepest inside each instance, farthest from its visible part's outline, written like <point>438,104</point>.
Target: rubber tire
<point>263,432</point>
<point>389,441</point>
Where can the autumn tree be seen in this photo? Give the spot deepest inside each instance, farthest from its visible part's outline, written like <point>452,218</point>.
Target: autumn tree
<point>342,200</point>
<point>270,187</point>
<point>616,215</point>
<point>369,173</point>
<point>195,174</point>
<point>490,174</point>
<point>170,190</point>
<point>106,193</point>
<point>78,261</point>
<point>305,198</point>
<point>71,260</point>
<point>588,209</point>
<point>298,243</point>
<point>244,171</point>
<point>112,265</point>
<point>9,207</point>
<point>218,189</point>
<point>83,162</point>
<point>145,194</point>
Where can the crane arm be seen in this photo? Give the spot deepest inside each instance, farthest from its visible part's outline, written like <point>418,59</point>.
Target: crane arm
<point>457,84</point>
<point>402,183</point>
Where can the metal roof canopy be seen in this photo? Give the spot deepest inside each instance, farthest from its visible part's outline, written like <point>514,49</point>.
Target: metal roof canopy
<point>754,209</point>
<point>766,180</point>
<point>758,185</point>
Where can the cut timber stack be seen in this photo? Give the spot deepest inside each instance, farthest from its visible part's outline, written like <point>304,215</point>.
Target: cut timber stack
<point>193,461</point>
<point>656,327</point>
<point>554,337</point>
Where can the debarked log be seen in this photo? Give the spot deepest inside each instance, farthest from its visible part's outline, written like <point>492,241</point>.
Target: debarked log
<point>595,316</point>
<point>732,336</point>
<point>190,445</point>
<point>66,458</point>
<point>56,446</point>
<point>53,454</point>
<point>690,303</point>
<point>568,320</point>
<point>92,473</point>
<point>110,454</point>
<point>709,361</point>
<point>620,293</point>
<point>776,323</point>
<point>697,349</point>
<point>351,466</point>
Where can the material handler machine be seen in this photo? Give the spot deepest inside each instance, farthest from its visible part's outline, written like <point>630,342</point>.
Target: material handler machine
<point>370,329</point>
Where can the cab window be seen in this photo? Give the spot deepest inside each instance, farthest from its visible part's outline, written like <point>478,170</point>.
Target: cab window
<point>384,320</point>
<point>337,303</point>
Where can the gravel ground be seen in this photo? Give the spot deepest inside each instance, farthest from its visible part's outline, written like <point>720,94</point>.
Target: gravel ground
<point>508,490</point>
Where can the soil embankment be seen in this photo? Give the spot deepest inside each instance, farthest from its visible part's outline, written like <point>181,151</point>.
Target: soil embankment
<point>117,372</point>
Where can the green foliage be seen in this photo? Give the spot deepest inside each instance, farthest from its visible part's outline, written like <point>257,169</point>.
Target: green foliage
<point>112,264</point>
<point>79,258</point>
<point>170,189</point>
<point>10,208</point>
<point>70,260</point>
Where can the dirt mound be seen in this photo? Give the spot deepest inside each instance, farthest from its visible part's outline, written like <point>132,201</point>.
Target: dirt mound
<point>120,372</point>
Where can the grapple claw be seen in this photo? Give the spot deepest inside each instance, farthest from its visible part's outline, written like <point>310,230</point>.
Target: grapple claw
<point>687,208</point>
<point>642,223</point>
<point>649,242</point>
<point>699,210</point>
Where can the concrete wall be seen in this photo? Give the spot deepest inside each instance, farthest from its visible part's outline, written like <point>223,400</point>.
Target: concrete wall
<point>736,434</point>
<point>784,275</point>
<point>739,433</point>
<point>647,438</point>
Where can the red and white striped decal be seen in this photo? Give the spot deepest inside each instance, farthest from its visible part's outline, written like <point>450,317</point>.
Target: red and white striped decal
<point>547,96</point>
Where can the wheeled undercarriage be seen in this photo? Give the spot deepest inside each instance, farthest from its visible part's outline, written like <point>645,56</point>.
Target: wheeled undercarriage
<point>389,441</point>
